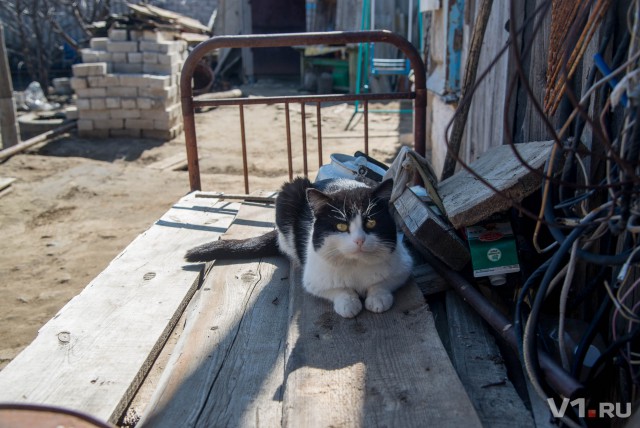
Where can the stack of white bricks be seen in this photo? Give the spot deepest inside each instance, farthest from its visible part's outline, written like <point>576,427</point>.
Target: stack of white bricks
<point>128,85</point>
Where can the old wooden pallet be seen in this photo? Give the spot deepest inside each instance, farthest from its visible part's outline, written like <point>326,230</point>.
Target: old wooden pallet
<point>94,353</point>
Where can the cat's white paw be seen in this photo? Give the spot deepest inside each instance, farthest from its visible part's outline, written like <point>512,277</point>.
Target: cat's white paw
<point>347,306</point>
<point>379,302</point>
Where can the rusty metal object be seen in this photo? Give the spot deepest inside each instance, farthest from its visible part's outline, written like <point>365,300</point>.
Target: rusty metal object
<point>298,39</point>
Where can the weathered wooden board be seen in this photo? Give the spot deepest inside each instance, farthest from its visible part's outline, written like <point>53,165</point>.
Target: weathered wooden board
<point>228,366</point>
<point>94,353</point>
<point>385,369</point>
<point>479,364</point>
<point>467,200</point>
<point>172,163</point>
<point>6,182</point>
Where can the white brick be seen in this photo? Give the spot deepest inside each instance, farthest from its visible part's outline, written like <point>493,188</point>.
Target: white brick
<point>83,104</point>
<point>136,35</point>
<point>163,47</point>
<point>97,81</point>
<point>134,57</point>
<point>105,57</point>
<point>121,91</point>
<point>170,59</point>
<point>157,36</point>
<point>118,35</point>
<point>168,93</point>
<point>112,80</point>
<point>98,104</point>
<point>128,103</point>
<point>71,112</point>
<point>150,57</point>
<point>109,124</point>
<point>160,68</point>
<point>144,103</point>
<point>138,124</point>
<point>84,125</point>
<point>78,83</point>
<point>113,46</point>
<point>124,114</point>
<point>90,55</point>
<point>123,67</point>
<point>118,57</point>
<point>99,43</point>
<point>95,115</point>
<point>113,102</point>
<point>157,81</point>
<point>134,80</point>
<point>94,69</point>
<point>91,92</point>
<point>163,135</point>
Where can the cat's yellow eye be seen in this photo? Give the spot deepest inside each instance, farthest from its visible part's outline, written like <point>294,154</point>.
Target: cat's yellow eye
<point>371,223</point>
<point>342,227</point>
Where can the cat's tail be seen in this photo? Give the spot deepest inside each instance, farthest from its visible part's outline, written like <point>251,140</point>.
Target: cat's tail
<point>260,246</point>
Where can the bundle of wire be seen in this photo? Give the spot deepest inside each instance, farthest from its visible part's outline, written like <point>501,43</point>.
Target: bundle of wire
<point>593,223</point>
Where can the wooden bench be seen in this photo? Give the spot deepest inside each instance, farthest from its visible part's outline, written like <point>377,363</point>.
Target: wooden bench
<point>254,349</point>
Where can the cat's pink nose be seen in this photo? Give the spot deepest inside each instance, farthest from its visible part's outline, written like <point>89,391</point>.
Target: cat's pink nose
<point>359,242</point>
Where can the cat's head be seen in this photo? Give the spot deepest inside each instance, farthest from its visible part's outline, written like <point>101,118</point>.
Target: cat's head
<point>353,224</point>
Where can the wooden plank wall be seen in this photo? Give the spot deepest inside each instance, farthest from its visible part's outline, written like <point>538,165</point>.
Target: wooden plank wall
<point>93,355</point>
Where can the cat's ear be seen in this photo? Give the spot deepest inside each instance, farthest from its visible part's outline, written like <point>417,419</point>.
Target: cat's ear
<point>384,189</point>
<point>317,200</point>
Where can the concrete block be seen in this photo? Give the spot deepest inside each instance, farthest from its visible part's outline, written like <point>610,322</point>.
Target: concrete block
<point>123,67</point>
<point>163,47</point>
<point>136,35</point>
<point>169,94</point>
<point>121,91</point>
<point>145,103</point>
<point>120,47</point>
<point>160,68</point>
<point>95,115</point>
<point>105,57</point>
<point>164,125</point>
<point>84,125</point>
<point>153,81</point>
<point>157,36</point>
<point>129,103</point>
<point>97,81</point>
<point>90,55</point>
<point>78,83</point>
<point>113,102</point>
<point>99,43</point>
<point>98,104</point>
<point>83,103</point>
<point>91,92</point>
<point>150,57</point>
<point>71,112</point>
<point>134,57</point>
<point>170,59</point>
<point>123,133</point>
<point>112,80</point>
<point>124,114</point>
<point>109,124</point>
<point>118,35</point>
<point>139,124</point>
<point>162,135</point>
<point>119,57</point>
<point>134,80</point>
<point>93,69</point>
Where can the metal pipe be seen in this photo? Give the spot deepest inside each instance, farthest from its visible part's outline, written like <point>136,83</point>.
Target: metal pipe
<point>244,151</point>
<point>555,375</point>
<point>319,118</point>
<point>366,127</point>
<point>332,98</point>
<point>304,140</point>
<point>288,122</point>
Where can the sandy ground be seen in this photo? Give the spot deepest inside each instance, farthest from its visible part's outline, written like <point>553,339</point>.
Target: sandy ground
<point>77,203</point>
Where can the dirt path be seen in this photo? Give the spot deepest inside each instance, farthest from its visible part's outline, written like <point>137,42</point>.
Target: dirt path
<point>77,203</point>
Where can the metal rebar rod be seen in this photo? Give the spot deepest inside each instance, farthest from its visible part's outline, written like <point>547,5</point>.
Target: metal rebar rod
<point>304,140</point>
<point>245,169</point>
<point>289,156</point>
<point>319,118</point>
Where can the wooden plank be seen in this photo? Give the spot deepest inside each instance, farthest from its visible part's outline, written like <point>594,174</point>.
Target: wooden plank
<point>428,280</point>
<point>228,366</point>
<point>477,360</point>
<point>468,201</point>
<point>172,163</point>
<point>94,353</point>
<point>6,182</point>
<point>385,369</point>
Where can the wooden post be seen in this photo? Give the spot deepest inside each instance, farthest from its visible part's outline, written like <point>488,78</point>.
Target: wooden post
<point>8,123</point>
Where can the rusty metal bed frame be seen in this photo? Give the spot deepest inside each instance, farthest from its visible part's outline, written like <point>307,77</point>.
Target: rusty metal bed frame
<point>189,104</point>
<point>560,380</point>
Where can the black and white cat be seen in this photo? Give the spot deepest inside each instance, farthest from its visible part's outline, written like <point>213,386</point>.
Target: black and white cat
<point>342,235</point>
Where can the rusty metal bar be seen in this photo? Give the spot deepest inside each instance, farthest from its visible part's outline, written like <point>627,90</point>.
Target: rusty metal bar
<point>561,381</point>
<point>244,150</point>
<point>366,127</point>
<point>333,98</point>
<point>319,118</point>
<point>298,39</point>
<point>304,141</point>
<point>288,121</point>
